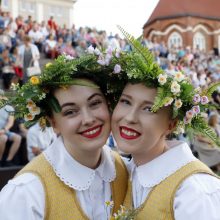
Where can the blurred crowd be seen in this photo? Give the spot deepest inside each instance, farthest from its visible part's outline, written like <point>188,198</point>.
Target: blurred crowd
<point>24,43</point>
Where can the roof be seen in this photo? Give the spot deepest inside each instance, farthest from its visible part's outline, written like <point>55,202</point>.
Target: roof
<point>166,9</point>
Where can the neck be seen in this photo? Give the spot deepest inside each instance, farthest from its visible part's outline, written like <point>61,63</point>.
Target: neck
<point>141,158</point>
<point>89,159</point>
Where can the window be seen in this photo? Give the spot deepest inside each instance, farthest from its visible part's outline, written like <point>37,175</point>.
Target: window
<point>32,7</point>
<point>59,11</point>
<point>175,39</point>
<point>23,6</point>
<point>52,11</point>
<point>5,3</point>
<point>199,41</point>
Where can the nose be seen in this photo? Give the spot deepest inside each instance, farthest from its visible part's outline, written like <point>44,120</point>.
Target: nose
<point>87,117</point>
<point>132,116</point>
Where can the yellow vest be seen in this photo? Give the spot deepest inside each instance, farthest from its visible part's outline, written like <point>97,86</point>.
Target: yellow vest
<point>61,201</point>
<point>159,203</point>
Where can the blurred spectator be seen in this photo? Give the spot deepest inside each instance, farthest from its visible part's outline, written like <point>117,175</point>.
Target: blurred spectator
<point>52,24</point>
<point>37,36</point>
<point>50,47</point>
<point>29,56</point>
<point>38,140</point>
<point>6,122</point>
<point>7,70</point>
<point>68,49</point>
<point>80,49</point>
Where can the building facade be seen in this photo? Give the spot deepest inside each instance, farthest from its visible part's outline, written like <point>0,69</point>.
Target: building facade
<point>40,10</point>
<point>185,23</point>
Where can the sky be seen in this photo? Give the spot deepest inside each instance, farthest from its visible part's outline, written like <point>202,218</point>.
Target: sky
<point>106,14</point>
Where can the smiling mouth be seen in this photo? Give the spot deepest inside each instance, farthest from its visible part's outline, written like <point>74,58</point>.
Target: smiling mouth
<point>92,132</point>
<point>128,133</point>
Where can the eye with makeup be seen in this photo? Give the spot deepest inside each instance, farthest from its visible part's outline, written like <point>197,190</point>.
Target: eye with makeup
<point>124,101</point>
<point>95,103</point>
<point>70,112</point>
<point>147,108</point>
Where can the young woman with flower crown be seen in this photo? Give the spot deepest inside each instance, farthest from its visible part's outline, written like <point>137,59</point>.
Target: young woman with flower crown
<point>166,180</point>
<point>76,175</point>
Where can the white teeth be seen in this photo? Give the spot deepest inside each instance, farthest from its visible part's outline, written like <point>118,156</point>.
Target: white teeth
<point>92,132</point>
<point>129,133</point>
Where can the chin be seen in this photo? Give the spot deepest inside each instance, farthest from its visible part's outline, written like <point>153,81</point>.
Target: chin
<point>125,148</point>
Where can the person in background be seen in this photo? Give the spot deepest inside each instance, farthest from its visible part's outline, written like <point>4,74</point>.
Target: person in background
<point>6,122</point>
<point>29,56</point>
<point>38,140</point>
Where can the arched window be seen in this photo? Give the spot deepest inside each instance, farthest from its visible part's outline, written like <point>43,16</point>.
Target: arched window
<point>199,41</point>
<point>175,39</point>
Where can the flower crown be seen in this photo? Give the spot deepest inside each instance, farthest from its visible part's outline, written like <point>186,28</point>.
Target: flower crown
<point>115,68</point>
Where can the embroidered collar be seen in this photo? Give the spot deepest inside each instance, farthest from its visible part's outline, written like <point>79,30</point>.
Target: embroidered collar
<point>152,173</point>
<point>74,174</point>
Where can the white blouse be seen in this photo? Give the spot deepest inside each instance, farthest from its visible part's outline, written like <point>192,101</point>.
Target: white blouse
<point>197,198</point>
<point>25,194</point>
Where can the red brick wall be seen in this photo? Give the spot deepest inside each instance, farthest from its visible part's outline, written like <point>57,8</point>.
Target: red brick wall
<point>184,22</point>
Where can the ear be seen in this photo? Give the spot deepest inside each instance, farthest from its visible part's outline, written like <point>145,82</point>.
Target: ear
<point>53,125</point>
<point>172,126</point>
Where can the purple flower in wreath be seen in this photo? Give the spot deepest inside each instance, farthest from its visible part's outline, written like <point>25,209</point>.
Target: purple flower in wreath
<point>196,98</point>
<point>117,68</point>
<point>204,100</point>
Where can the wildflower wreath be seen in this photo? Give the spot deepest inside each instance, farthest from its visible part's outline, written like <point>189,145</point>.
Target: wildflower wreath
<point>115,68</point>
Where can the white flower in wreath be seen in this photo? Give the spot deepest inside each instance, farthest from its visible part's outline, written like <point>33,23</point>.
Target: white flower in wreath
<point>34,110</point>
<point>168,101</point>
<point>175,87</point>
<point>178,103</point>
<point>178,76</point>
<point>90,49</point>
<point>29,117</point>
<point>162,79</point>
<point>30,104</point>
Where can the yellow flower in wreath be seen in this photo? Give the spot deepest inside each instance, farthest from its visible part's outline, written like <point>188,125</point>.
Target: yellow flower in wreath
<point>48,64</point>
<point>35,80</point>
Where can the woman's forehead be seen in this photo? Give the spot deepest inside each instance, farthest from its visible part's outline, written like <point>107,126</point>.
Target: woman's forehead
<point>76,92</point>
<point>140,91</point>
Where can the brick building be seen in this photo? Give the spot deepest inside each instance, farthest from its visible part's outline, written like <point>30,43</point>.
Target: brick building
<point>185,23</point>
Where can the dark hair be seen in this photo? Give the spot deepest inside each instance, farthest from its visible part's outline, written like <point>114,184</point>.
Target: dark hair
<point>46,103</point>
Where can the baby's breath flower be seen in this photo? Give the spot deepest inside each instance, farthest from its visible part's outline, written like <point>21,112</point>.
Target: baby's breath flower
<point>42,96</point>
<point>109,203</point>
<point>14,86</point>
<point>68,57</point>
